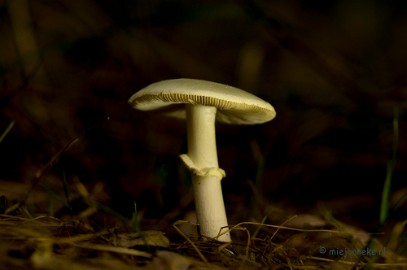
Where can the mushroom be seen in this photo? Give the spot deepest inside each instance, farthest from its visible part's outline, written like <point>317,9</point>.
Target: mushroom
<point>201,103</point>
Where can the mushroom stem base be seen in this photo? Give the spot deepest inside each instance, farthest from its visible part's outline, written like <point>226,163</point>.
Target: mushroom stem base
<point>211,212</point>
<point>208,199</point>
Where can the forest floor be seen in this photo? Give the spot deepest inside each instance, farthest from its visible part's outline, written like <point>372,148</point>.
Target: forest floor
<point>96,239</point>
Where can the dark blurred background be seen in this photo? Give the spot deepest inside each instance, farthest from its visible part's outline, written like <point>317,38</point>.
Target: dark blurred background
<point>335,71</point>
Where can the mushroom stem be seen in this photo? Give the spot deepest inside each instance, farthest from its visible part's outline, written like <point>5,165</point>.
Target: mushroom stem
<point>206,175</point>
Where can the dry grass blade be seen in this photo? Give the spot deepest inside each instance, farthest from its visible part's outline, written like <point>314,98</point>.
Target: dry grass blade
<point>39,175</point>
<point>8,129</point>
<point>114,249</point>
<point>174,225</point>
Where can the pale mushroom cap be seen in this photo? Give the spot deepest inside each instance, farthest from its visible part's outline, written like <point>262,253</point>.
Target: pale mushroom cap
<point>234,105</point>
